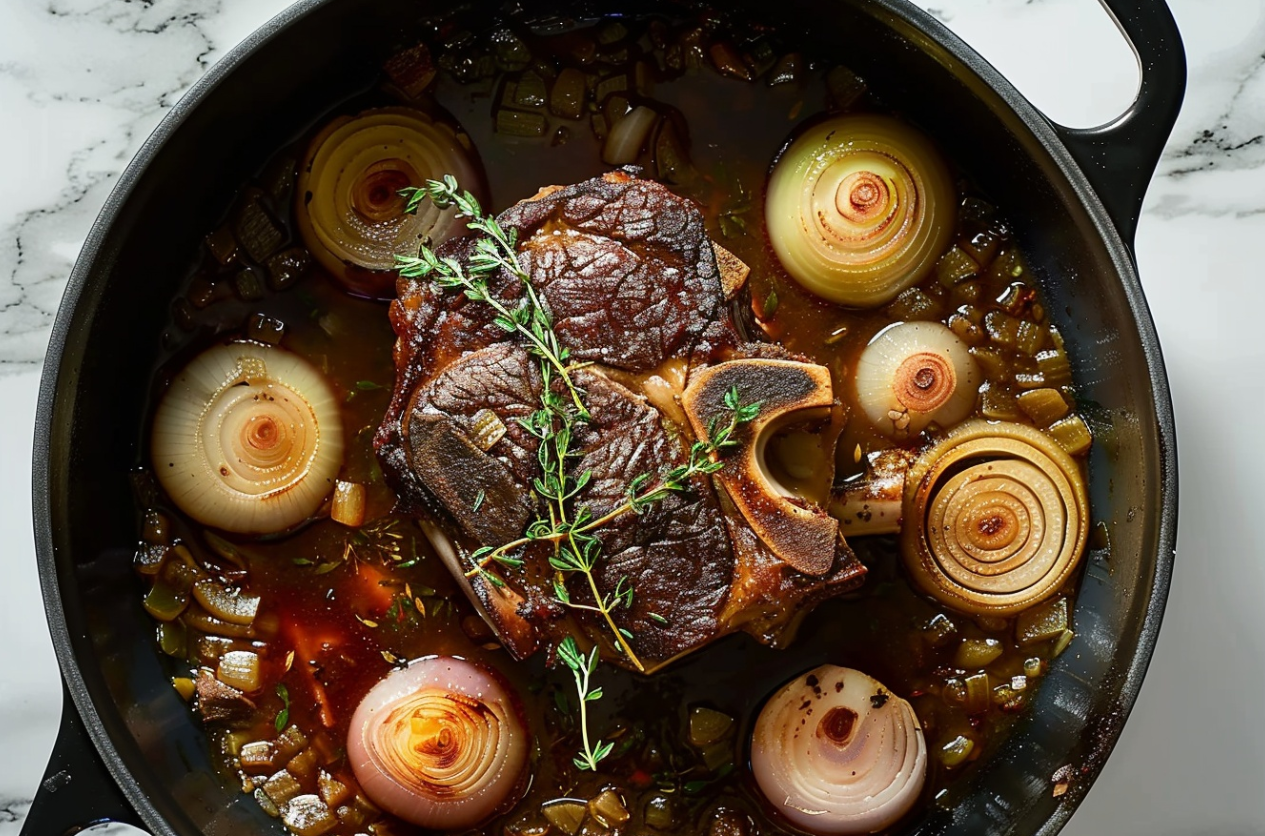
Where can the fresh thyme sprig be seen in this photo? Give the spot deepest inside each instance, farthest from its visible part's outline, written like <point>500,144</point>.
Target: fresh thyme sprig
<point>582,668</point>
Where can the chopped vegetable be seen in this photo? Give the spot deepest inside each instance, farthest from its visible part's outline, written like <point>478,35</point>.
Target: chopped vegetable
<point>348,506</point>
<point>566,814</point>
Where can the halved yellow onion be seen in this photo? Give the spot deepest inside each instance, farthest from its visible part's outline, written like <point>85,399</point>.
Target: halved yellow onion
<point>859,208</point>
<point>913,373</point>
<point>248,438</point>
<point>439,744</point>
<point>837,753</point>
<point>349,209</point>
<point>996,518</point>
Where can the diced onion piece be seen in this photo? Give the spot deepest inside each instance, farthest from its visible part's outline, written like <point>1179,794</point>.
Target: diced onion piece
<point>240,669</point>
<point>487,429</point>
<point>859,208</point>
<point>566,814</point>
<point>913,373</point>
<point>348,206</point>
<point>440,744</point>
<point>307,815</point>
<point>233,606</point>
<point>348,506</point>
<point>628,137</point>
<point>837,753</point>
<point>248,438</point>
<point>608,809</point>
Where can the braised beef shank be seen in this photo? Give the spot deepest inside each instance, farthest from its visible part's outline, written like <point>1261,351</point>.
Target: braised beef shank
<point>630,277</point>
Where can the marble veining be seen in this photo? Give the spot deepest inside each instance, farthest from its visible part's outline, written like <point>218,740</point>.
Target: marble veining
<point>84,82</point>
<point>92,79</point>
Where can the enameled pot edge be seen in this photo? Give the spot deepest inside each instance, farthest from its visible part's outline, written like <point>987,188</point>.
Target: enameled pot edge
<point>1092,162</point>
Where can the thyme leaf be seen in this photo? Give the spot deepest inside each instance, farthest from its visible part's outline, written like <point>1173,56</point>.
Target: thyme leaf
<point>283,716</point>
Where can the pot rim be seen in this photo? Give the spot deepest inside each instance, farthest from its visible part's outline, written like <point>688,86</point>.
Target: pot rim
<point>55,376</point>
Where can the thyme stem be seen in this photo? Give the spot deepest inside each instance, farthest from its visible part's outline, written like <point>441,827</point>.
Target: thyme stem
<point>582,668</point>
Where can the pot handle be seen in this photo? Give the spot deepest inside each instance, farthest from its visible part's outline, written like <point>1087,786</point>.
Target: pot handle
<point>77,791</point>
<point>1120,157</point>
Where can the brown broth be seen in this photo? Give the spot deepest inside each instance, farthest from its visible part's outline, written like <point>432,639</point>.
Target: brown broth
<point>351,605</point>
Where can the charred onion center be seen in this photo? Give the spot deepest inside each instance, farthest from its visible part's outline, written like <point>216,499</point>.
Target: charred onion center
<point>434,742</point>
<point>376,196</point>
<point>925,381</point>
<point>264,433</point>
<point>862,197</point>
<point>992,527</point>
<point>837,725</point>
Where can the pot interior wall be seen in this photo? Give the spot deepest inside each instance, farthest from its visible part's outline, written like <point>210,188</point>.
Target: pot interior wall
<point>273,95</point>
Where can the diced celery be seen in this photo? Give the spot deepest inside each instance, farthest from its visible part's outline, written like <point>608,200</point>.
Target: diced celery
<point>708,725</point>
<point>164,602</point>
<point>1044,406</point>
<point>1042,622</point>
<point>955,267</point>
<point>956,751</point>
<point>978,693</point>
<point>977,653</point>
<point>1002,328</point>
<point>520,123</point>
<point>1072,434</point>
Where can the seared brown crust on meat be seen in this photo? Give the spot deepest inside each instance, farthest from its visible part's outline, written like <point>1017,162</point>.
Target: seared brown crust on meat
<point>625,266</point>
<point>630,277</point>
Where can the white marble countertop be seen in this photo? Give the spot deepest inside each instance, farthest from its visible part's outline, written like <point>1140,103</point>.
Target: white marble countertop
<point>83,82</point>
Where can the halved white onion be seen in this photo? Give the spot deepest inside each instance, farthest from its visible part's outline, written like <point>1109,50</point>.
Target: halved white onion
<point>859,208</point>
<point>439,744</point>
<point>349,209</point>
<point>913,373</point>
<point>997,517</point>
<point>837,753</point>
<point>248,438</point>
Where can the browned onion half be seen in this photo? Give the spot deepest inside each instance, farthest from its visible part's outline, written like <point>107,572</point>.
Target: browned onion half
<point>348,205</point>
<point>996,518</point>
<point>837,753</point>
<point>440,744</point>
<point>859,208</point>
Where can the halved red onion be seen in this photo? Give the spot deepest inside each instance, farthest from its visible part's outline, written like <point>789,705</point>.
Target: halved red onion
<point>439,744</point>
<point>348,206</point>
<point>836,752</point>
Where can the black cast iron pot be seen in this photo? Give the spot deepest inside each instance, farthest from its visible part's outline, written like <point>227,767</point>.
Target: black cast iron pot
<point>129,749</point>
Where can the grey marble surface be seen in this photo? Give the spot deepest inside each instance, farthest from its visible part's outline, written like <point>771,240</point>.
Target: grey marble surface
<point>83,82</point>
